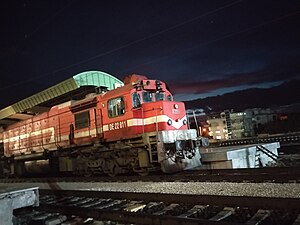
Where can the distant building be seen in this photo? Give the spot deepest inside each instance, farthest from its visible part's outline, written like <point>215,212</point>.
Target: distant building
<point>261,116</point>
<point>239,124</point>
<point>231,125</point>
<point>217,128</point>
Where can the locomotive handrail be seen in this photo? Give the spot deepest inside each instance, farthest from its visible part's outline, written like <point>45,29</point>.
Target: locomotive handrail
<point>143,126</point>
<point>42,142</point>
<point>156,124</point>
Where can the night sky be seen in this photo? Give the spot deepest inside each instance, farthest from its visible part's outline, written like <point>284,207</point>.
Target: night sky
<point>200,48</point>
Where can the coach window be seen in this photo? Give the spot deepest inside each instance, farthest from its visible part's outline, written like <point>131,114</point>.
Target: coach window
<point>136,100</point>
<point>116,107</point>
<point>82,120</point>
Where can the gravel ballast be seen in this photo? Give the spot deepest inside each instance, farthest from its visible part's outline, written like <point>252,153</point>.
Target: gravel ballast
<point>286,190</point>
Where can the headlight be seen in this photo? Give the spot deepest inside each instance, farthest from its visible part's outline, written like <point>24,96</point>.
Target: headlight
<point>175,106</point>
<point>184,122</point>
<point>169,122</point>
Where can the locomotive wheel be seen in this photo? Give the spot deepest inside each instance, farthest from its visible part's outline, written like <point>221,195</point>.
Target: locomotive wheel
<point>88,173</point>
<point>143,174</point>
<point>113,169</point>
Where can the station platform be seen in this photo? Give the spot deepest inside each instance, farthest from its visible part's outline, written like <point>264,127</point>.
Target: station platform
<point>12,198</point>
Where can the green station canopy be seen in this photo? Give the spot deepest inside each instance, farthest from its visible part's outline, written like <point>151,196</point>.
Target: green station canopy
<point>75,87</point>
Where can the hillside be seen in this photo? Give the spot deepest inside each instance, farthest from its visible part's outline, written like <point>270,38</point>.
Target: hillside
<point>287,93</point>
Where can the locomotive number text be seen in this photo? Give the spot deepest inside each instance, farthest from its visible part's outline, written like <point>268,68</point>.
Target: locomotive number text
<point>117,125</point>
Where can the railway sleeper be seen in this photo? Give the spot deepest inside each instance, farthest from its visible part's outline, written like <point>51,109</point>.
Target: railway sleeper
<point>132,211</point>
<point>116,212</point>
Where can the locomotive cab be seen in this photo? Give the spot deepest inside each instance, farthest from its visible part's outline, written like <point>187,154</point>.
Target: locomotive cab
<point>157,114</point>
<point>142,114</point>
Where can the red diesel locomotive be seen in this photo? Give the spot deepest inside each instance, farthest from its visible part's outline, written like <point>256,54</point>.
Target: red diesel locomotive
<point>137,127</point>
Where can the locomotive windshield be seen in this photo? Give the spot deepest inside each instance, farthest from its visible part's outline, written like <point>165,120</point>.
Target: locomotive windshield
<point>160,96</point>
<point>143,97</point>
<point>147,97</point>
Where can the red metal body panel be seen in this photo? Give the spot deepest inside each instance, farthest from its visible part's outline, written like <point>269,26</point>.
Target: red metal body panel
<point>56,128</point>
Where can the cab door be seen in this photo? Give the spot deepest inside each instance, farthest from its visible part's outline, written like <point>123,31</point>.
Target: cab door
<point>98,123</point>
<point>138,113</point>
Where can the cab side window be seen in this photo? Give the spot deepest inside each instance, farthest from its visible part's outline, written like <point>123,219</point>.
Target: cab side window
<point>82,120</point>
<point>136,100</point>
<point>116,107</point>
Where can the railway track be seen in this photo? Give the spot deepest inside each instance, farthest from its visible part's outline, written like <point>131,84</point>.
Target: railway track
<point>74,207</point>
<point>290,139</point>
<point>259,175</point>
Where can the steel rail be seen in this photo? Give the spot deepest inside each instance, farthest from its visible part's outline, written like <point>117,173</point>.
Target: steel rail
<point>187,199</point>
<point>127,217</point>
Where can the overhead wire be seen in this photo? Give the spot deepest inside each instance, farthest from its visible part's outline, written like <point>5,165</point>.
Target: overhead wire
<point>125,45</point>
<point>48,19</point>
<point>221,38</point>
<point>161,32</point>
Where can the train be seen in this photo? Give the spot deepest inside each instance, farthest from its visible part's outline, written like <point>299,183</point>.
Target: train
<point>134,128</point>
